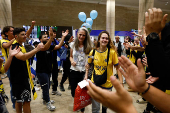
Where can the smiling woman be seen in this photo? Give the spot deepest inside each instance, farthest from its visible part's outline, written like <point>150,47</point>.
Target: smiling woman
<point>105,58</point>
<point>78,58</point>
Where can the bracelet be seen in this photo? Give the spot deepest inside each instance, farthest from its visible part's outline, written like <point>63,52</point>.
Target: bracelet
<point>146,89</point>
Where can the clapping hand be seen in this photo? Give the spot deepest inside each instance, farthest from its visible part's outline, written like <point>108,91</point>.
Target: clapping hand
<point>13,52</point>
<point>135,76</point>
<point>154,21</point>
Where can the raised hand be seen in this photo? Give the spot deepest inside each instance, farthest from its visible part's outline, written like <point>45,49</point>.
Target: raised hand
<point>135,76</point>
<point>119,101</point>
<point>14,51</point>
<point>64,34</point>
<point>51,32</point>
<point>154,22</point>
<point>33,23</point>
<point>71,39</point>
<point>40,46</point>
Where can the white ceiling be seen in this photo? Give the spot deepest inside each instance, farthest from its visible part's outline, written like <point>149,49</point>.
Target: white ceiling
<point>163,4</point>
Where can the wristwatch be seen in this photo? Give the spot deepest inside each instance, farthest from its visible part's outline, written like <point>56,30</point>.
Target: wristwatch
<point>152,37</point>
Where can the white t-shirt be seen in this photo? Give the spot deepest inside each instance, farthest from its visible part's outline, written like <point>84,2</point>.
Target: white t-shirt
<point>79,57</point>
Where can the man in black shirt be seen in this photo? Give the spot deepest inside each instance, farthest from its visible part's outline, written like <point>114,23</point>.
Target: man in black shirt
<point>44,66</point>
<point>20,73</point>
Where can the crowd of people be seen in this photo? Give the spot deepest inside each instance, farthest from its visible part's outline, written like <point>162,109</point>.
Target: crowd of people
<point>143,63</point>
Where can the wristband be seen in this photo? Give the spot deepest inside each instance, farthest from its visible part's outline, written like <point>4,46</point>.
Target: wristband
<point>146,89</point>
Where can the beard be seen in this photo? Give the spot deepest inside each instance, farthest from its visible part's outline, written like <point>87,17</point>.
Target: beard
<point>44,42</point>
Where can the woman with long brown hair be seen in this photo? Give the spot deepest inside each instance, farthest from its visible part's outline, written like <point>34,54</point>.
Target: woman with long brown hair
<point>105,57</point>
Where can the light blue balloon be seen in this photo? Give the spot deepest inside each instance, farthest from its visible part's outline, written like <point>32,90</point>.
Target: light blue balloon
<point>93,14</point>
<point>88,26</point>
<point>82,16</point>
<point>90,21</point>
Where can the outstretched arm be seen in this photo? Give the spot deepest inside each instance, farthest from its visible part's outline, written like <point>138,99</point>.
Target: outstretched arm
<point>25,56</point>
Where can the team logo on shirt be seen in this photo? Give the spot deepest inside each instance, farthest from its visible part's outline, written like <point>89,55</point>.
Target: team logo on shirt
<point>101,68</point>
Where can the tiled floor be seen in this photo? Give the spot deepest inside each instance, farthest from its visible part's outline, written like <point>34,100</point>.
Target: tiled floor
<point>63,103</point>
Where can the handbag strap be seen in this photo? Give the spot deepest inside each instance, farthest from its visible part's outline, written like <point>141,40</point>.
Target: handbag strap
<point>108,55</point>
<point>93,54</point>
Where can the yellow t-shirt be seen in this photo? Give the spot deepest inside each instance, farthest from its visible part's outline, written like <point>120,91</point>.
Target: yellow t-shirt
<point>100,64</point>
<point>5,51</point>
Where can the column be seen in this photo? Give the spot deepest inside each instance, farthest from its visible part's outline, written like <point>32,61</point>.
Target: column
<point>5,13</point>
<point>110,18</point>
<point>144,5</point>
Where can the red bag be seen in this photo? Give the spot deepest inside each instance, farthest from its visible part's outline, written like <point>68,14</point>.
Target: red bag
<point>81,98</point>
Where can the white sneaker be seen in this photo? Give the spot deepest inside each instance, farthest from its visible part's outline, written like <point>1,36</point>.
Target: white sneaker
<point>38,85</point>
<point>56,93</point>
<point>51,101</point>
<point>50,106</point>
<point>37,89</point>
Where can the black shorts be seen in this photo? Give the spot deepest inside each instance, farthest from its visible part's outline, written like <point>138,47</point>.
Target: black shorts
<point>21,91</point>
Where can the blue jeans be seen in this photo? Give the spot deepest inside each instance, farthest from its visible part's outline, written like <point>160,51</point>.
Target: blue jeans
<point>44,79</point>
<point>96,106</point>
<point>12,99</point>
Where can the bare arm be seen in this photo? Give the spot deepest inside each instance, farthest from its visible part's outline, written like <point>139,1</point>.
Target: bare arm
<point>30,29</point>
<point>62,40</point>
<point>8,44</point>
<point>25,56</point>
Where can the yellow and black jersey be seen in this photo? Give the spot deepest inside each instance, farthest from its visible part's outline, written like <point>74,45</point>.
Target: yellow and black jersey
<point>100,64</point>
<point>20,70</point>
<point>5,51</point>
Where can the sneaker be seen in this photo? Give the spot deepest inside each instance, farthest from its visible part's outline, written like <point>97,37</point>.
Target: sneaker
<point>5,75</point>
<point>69,87</point>
<point>52,102</point>
<point>61,88</point>
<point>56,93</point>
<point>38,85</point>
<point>141,101</point>
<point>37,89</point>
<point>14,109</point>
<point>50,106</point>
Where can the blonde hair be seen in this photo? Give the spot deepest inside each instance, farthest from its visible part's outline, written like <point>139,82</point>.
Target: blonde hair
<point>87,42</point>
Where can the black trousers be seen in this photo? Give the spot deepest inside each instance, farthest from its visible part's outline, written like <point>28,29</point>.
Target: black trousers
<point>55,76</point>
<point>75,78</point>
<point>66,71</point>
